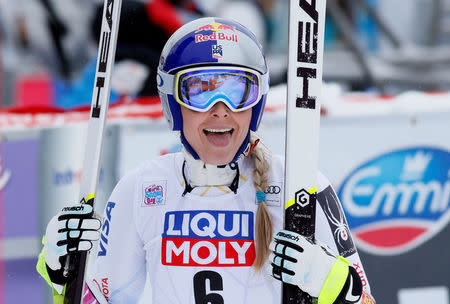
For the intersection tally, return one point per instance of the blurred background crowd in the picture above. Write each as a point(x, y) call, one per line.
point(385, 128)
point(370, 44)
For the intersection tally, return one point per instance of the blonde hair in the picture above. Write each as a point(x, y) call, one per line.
point(264, 225)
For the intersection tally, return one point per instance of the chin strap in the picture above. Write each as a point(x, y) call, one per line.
point(233, 186)
point(187, 187)
point(235, 183)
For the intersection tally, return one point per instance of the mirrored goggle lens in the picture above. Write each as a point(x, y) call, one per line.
point(200, 90)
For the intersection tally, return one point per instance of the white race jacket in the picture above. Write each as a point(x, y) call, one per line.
point(199, 248)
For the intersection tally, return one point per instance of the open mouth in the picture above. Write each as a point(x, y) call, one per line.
point(219, 137)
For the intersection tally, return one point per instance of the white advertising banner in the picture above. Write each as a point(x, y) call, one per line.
point(61, 160)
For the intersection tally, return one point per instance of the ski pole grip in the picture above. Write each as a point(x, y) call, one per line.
point(90, 201)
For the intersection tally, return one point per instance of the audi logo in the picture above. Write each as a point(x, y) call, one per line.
point(273, 190)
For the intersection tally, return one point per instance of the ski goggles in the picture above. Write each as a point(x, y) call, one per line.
point(199, 89)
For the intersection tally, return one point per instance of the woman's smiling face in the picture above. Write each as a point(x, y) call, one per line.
point(216, 135)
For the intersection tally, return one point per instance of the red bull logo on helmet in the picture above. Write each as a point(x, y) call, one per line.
point(398, 200)
point(219, 33)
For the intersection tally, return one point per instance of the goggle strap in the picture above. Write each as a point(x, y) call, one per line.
point(264, 83)
point(166, 84)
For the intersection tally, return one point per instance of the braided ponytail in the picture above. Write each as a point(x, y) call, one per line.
point(264, 226)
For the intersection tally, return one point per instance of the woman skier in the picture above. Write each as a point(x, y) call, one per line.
point(205, 225)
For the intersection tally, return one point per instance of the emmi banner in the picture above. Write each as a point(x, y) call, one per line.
point(398, 200)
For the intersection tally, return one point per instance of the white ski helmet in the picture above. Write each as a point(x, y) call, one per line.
point(207, 42)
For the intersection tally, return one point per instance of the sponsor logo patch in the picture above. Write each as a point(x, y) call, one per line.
point(361, 274)
point(302, 198)
point(103, 244)
point(217, 51)
point(336, 219)
point(103, 286)
point(218, 33)
point(154, 193)
point(273, 194)
point(208, 238)
point(398, 200)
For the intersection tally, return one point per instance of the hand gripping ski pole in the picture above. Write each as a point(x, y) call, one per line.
point(306, 38)
point(100, 100)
